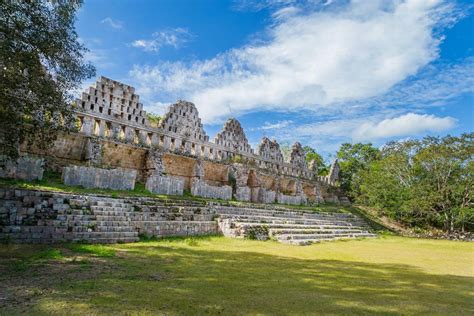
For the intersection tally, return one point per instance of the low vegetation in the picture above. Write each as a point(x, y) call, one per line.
point(216, 275)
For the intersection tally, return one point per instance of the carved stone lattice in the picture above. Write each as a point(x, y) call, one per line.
point(270, 149)
point(233, 136)
point(93, 152)
point(155, 162)
point(298, 156)
point(183, 119)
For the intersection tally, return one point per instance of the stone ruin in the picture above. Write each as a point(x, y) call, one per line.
point(233, 136)
point(110, 116)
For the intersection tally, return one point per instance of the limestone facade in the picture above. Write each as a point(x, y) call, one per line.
point(176, 155)
point(111, 110)
point(233, 137)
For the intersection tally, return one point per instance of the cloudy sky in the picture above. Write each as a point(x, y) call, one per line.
point(322, 72)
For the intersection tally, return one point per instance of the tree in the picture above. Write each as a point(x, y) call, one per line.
point(423, 183)
point(311, 154)
point(445, 178)
point(41, 62)
point(354, 159)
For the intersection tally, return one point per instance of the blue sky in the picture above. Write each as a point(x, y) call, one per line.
point(322, 72)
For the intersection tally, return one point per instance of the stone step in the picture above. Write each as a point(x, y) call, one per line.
point(90, 235)
point(285, 212)
point(294, 226)
point(96, 208)
point(85, 229)
point(283, 220)
point(275, 232)
point(110, 203)
point(304, 242)
point(112, 218)
point(322, 236)
point(285, 215)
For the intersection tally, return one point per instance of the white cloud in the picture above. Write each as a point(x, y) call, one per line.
point(274, 126)
point(172, 37)
point(312, 60)
point(406, 125)
point(116, 24)
point(327, 134)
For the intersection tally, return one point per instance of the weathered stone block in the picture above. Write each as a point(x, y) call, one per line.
point(242, 194)
point(165, 185)
point(201, 188)
point(89, 177)
point(24, 168)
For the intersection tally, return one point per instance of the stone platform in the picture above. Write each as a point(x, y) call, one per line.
point(28, 216)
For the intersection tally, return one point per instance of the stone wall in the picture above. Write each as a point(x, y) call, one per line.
point(28, 216)
point(90, 177)
point(267, 196)
point(201, 188)
point(165, 185)
point(215, 173)
point(176, 228)
point(243, 194)
point(116, 155)
point(290, 199)
point(24, 168)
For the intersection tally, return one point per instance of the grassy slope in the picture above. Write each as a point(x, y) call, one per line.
point(391, 275)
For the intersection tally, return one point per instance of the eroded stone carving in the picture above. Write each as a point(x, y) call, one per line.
point(334, 172)
point(270, 149)
point(93, 152)
point(90, 177)
point(183, 119)
point(298, 156)
point(155, 162)
point(233, 137)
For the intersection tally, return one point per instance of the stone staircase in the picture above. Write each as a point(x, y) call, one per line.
point(290, 226)
point(28, 216)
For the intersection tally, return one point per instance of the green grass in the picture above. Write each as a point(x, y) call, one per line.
point(216, 275)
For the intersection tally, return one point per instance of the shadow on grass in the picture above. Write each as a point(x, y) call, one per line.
point(175, 279)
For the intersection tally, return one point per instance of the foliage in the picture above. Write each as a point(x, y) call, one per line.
point(422, 183)
point(153, 119)
point(353, 159)
point(41, 62)
point(311, 154)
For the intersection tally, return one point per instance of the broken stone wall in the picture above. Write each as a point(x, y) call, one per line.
point(90, 177)
point(201, 188)
point(165, 185)
point(23, 168)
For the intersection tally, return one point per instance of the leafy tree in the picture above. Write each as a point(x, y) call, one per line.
point(41, 61)
point(354, 159)
point(311, 154)
point(423, 183)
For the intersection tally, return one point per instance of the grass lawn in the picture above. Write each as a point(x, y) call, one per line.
point(216, 275)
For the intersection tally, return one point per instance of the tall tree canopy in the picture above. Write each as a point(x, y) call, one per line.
point(352, 159)
point(421, 183)
point(41, 62)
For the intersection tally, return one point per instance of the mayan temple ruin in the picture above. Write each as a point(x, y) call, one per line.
point(115, 147)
